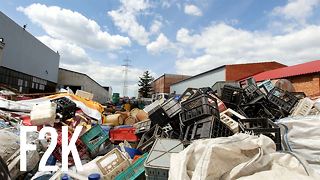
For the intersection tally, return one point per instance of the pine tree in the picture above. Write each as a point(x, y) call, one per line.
point(145, 84)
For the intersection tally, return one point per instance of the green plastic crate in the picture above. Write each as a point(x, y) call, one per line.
point(94, 137)
point(133, 171)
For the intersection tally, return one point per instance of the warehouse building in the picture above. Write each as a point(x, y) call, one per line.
point(232, 72)
point(163, 83)
point(75, 80)
point(304, 77)
point(27, 65)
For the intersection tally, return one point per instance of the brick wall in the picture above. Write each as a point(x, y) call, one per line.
point(163, 83)
point(308, 83)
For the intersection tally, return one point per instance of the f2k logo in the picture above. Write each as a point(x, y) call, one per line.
point(66, 148)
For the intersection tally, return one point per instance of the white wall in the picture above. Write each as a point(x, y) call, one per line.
point(204, 80)
point(77, 79)
point(25, 53)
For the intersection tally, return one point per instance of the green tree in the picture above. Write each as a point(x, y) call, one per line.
point(145, 84)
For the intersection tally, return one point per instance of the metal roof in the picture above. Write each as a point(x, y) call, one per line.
point(295, 70)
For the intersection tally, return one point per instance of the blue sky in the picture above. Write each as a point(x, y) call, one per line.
point(185, 37)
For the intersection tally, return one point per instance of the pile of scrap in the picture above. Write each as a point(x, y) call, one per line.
point(179, 138)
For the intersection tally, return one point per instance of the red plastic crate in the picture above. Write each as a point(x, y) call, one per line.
point(82, 150)
point(121, 134)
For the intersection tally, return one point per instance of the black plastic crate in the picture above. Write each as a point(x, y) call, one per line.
point(187, 133)
point(198, 108)
point(262, 126)
point(210, 127)
point(218, 86)
point(66, 108)
point(299, 95)
point(172, 107)
point(158, 116)
point(149, 137)
point(253, 94)
point(231, 95)
point(283, 99)
point(257, 110)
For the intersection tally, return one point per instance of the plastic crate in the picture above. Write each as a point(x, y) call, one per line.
point(112, 164)
point(252, 94)
point(172, 107)
point(198, 108)
point(94, 137)
point(149, 137)
point(57, 152)
point(231, 95)
point(157, 163)
point(66, 108)
point(262, 126)
point(123, 134)
point(299, 95)
point(142, 127)
point(257, 110)
point(303, 107)
point(227, 118)
point(133, 171)
point(187, 94)
point(188, 133)
point(266, 86)
point(218, 86)
point(247, 82)
point(158, 116)
point(210, 127)
point(283, 99)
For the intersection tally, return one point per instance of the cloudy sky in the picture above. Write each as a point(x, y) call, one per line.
point(169, 36)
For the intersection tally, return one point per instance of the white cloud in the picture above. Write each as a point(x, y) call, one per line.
point(193, 10)
point(75, 58)
point(125, 19)
point(155, 27)
point(223, 44)
point(72, 26)
point(298, 10)
point(161, 44)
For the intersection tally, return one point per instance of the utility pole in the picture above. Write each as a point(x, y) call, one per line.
point(125, 80)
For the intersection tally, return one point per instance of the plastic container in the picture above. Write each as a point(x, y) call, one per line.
point(283, 99)
point(210, 127)
point(94, 176)
point(262, 126)
point(252, 94)
point(198, 108)
point(227, 118)
point(123, 134)
point(112, 164)
point(303, 107)
point(157, 163)
point(133, 171)
point(172, 107)
point(43, 114)
point(66, 108)
point(247, 82)
point(218, 86)
point(94, 137)
point(158, 116)
point(142, 127)
point(256, 110)
point(266, 86)
point(51, 161)
point(188, 93)
point(231, 95)
point(149, 137)
point(132, 152)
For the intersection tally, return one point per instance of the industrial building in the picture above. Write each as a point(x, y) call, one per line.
point(75, 80)
point(232, 72)
point(21, 53)
point(304, 77)
point(162, 84)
